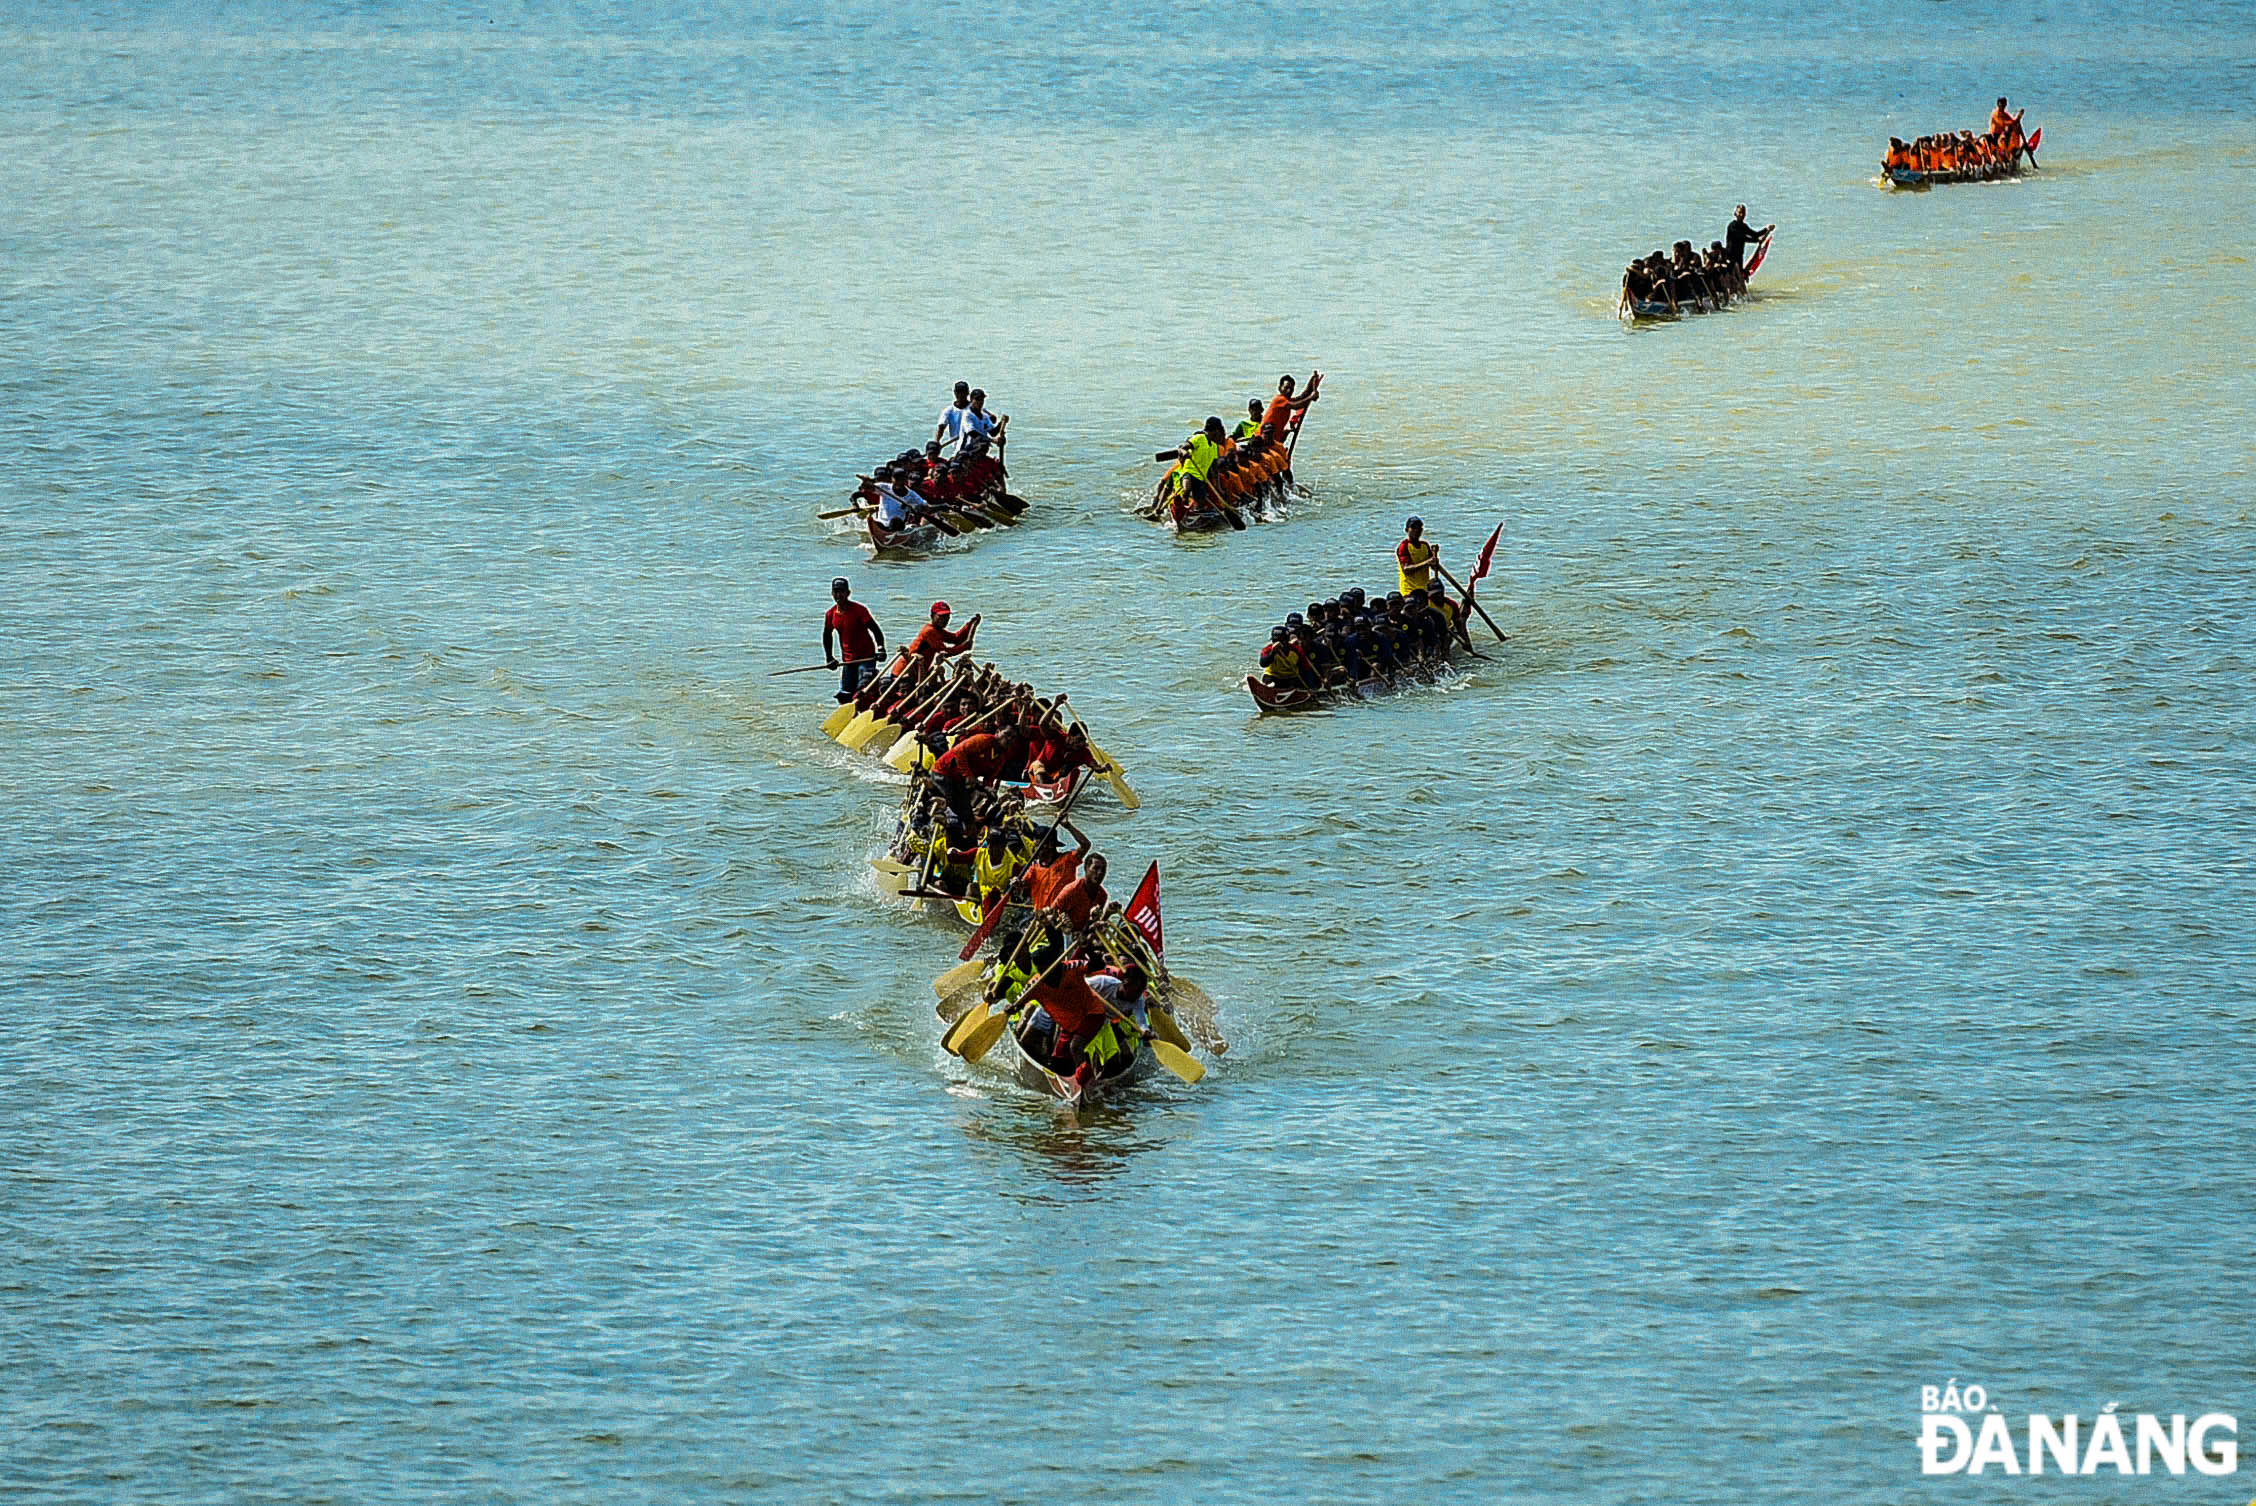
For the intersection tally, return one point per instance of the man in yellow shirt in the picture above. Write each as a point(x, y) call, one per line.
point(1415, 558)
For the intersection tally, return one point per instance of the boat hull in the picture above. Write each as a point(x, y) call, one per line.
point(1030, 1073)
point(1272, 700)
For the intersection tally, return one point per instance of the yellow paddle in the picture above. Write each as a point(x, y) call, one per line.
point(858, 731)
point(1171, 1056)
point(835, 723)
point(904, 754)
point(887, 727)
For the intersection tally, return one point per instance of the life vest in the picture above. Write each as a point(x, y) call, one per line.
point(992, 875)
point(1199, 455)
point(1282, 664)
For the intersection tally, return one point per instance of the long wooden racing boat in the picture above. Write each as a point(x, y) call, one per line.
point(1275, 700)
point(1652, 310)
point(1993, 172)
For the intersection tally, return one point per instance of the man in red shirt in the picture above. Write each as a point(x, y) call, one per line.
point(935, 642)
point(861, 642)
point(978, 760)
point(1070, 1013)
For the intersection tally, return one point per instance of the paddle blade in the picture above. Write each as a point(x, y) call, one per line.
point(1121, 791)
point(973, 1019)
point(981, 1039)
point(833, 723)
point(902, 756)
point(1178, 1061)
point(854, 724)
point(1164, 1028)
point(871, 734)
point(986, 929)
point(956, 978)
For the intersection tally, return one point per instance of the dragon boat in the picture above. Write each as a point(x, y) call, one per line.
point(961, 495)
point(1166, 996)
point(1278, 700)
point(2023, 158)
point(1656, 310)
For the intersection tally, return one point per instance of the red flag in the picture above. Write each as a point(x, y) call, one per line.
point(1487, 558)
point(1143, 911)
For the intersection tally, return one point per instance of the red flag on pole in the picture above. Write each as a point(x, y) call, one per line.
point(1487, 558)
point(1143, 911)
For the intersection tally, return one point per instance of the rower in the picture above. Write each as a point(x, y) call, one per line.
point(1125, 993)
point(935, 641)
point(980, 759)
point(860, 640)
point(1285, 410)
point(1066, 1015)
point(1738, 236)
point(997, 864)
point(1196, 456)
point(1416, 557)
point(1251, 425)
point(1282, 663)
point(979, 423)
point(2005, 129)
point(951, 430)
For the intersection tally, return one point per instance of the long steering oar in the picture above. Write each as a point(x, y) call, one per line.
point(1476, 606)
point(808, 669)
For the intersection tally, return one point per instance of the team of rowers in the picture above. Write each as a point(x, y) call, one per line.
point(1068, 972)
point(1685, 278)
point(1356, 636)
point(1221, 471)
point(1988, 154)
point(956, 482)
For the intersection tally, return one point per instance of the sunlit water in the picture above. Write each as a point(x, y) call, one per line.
point(453, 1049)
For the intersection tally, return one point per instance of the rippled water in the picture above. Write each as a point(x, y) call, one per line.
point(455, 1051)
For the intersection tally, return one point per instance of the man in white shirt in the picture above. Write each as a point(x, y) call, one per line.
point(977, 420)
point(951, 430)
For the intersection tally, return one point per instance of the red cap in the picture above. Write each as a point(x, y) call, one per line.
point(940, 609)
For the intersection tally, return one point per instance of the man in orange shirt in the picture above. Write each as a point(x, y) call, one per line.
point(934, 641)
point(1285, 410)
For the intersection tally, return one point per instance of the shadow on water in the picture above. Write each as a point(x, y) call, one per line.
point(1081, 1149)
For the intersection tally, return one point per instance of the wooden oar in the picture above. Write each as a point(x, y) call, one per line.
point(916, 707)
point(1107, 765)
point(905, 751)
point(808, 669)
point(888, 682)
point(1171, 1056)
point(1476, 606)
point(972, 1036)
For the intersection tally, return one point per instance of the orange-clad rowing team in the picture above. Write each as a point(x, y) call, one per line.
point(1220, 473)
point(1989, 153)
